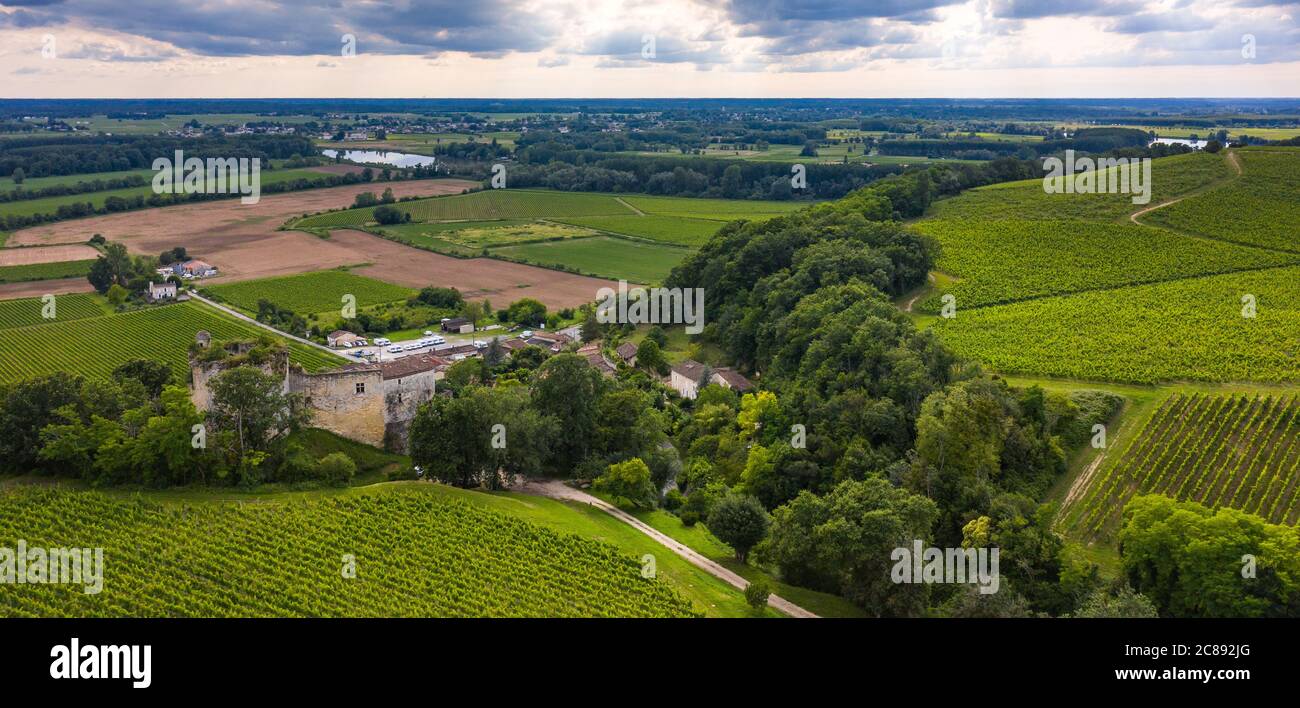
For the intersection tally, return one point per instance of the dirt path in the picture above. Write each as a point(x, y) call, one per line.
point(623, 201)
point(1233, 162)
point(929, 278)
point(558, 490)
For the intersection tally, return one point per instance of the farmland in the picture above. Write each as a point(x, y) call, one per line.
point(1238, 451)
point(1261, 208)
point(415, 555)
point(495, 204)
point(310, 293)
point(1005, 261)
point(44, 271)
point(94, 346)
point(667, 229)
point(638, 262)
point(1190, 329)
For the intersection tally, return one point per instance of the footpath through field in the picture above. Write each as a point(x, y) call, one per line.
point(554, 489)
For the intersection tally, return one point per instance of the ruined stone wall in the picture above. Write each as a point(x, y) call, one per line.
point(202, 374)
point(338, 406)
point(402, 398)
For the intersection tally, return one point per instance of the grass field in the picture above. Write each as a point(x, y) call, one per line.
point(1262, 208)
point(33, 183)
point(94, 346)
point(414, 554)
point(644, 263)
point(486, 204)
point(310, 293)
point(44, 271)
point(1191, 329)
point(1005, 261)
point(1238, 451)
point(678, 230)
point(716, 209)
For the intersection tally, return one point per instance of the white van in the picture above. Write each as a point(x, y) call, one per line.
point(382, 341)
point(395, 349)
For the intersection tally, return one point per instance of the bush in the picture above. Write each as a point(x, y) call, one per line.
point(689, 518)
point(336, 468)
point(673, 500)
point(757, 592)
point(386, 215)
point(628, 482)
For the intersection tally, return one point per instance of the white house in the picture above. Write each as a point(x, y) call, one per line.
point(161, 291)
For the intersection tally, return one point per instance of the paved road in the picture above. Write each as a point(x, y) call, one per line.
point(263, 325)
point(559, 490)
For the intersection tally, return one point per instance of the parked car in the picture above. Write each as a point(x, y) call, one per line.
point(480, 344)
point(382, 341)
point(437, 339)
point(428, 333)
point(395, 349)
point(526, 333)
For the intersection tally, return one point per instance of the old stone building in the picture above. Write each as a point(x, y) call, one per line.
point(369, 403)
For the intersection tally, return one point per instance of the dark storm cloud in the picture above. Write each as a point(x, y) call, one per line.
point(297, 27)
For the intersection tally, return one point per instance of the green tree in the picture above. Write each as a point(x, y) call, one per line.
point(336, 468)
point(250, 404)
point(1123, 602)
point(757, 592)
point(740, 522)
point(650, 358)
point(483, 437)
point(527, 312)
point(566, 389)
point(629, 483)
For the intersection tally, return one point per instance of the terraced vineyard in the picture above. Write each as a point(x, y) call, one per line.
point(1262, 208)
point(94, 346)
point(415, 556)
point(1238, 451)
point(1006, 261)
point(29, 311)
point(1185, 329)
point(310, 293)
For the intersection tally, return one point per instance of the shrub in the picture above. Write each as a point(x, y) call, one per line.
point(336, 468)
point(757, 592)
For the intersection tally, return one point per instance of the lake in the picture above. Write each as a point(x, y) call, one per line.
point(381, 157)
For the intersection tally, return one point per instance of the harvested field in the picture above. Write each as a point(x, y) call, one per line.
point(339, 169)
point(476, 278)
point(53, 254)
point(154, 230)
point(38, 288)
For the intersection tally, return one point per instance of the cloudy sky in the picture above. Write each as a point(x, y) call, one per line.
point(649, 48)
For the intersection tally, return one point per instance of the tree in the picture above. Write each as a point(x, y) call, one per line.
point(842, 543)
point(387, 215)
point(1123, 602)
point(809, 149)
point(740, 522)
point(483, 437)
point(152, 374)
point(566, 389)
point(629, 483)
point(364, 199)
point(590, 327)
point(19, 175)
point(494, 354)
point(527, 312)
point(387, 197)
point(650, 358)
point(250, 404)
point(116, 294)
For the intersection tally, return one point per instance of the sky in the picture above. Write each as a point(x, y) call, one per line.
point(648, 48)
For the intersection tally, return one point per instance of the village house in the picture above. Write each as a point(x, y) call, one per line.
point(158, 292)
point(627, 352)
point(343, 338)
point(194, 269)
point(687, 376)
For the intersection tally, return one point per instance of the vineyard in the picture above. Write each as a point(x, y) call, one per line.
point(1170, 177)
point(1186, 329)
point(310, 293)
point(1005, 261)
point(1261, 208)
point(415, 555)
point(635, 261)
point(1238, 451)
point(45, 271)
point(94, 346)
point(29, 311)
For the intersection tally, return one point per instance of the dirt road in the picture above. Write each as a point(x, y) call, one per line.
point(558, 490)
